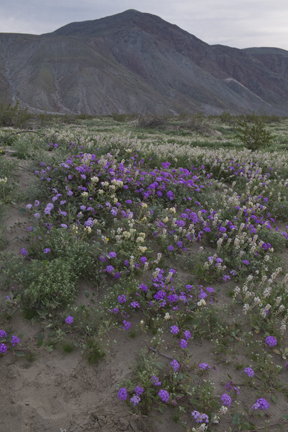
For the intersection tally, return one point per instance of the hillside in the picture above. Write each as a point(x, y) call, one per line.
point(137, 62)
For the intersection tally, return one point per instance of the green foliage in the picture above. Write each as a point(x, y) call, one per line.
point(253, 134)
point(68, 347)
point(14, 115)
point(94, 352)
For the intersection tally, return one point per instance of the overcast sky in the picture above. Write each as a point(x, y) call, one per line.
point(235, 23)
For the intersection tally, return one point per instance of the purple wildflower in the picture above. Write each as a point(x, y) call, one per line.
point(127, 325)
point(15, 340)
point(3, 334)
point(164, 395)
point(139, 390)
point(175, 365)
point(24, 252)
point(155, 380)
point(271, 341)
point(47, 250)
point(246, 262)
point(69, 320)
point(196, 415)
point(135, 304)
point(135, 400)
point(226, 399)
point(122, 394)
point(3, 348)
point(187, 334)
point(183, 343)
point(249, 372)
point(122, 298)
point(261, 403)
point(174, 329)
point(170, 248)
point(204, 366)
point(109, 269)
point(112, 254)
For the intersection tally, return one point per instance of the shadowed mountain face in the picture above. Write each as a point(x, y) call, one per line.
point(135, 62)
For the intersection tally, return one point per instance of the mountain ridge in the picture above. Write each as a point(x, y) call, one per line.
point(135, 62)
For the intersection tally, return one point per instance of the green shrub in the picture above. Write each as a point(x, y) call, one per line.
point(14, 115)
point(54, 284)
point(253, 133)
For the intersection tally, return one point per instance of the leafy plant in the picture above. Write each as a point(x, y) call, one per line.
point(253, 134)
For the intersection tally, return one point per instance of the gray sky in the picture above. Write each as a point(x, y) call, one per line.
point(235, 23)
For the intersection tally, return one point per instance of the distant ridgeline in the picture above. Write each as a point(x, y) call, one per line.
point(136, 62)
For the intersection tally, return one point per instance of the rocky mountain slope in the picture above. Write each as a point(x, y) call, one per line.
point(136, 62)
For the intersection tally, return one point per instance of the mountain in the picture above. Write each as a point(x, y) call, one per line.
point(136, 62)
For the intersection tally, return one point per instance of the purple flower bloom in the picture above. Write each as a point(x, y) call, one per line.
point(122, 394)
point(135, 400)
point(36, 203)
point(187, 334)
point(143, 287)
point(135, 304)
point(143, 259)
point(226, 399)
point(29, 206)
point(117, 275)
point(226, 278)
point(37, 215)
point(31, 229)
point(15, 340)
point(62, 202)
point(155, 381)
point(164, 395)
point(204, 366)
point(126, 325)
point(196, 415)
point(69, 320)
point(24, 252)
point(246, 262)
point(271, 341)
point(112, 254)
point(121, 298)
point(3, 334)
point(175, 365)
point(63, 226)
point(202, 294)
point(203, 418)
point(47, 250)
point(139, 390)
point(109, 269)
point(128, 201)
point(170, 248)
point(115, 310)
point(210, 290)
point(261, 403)
point(183, 343)
point(249, 372)
point(174, 329)
point(3, 348)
